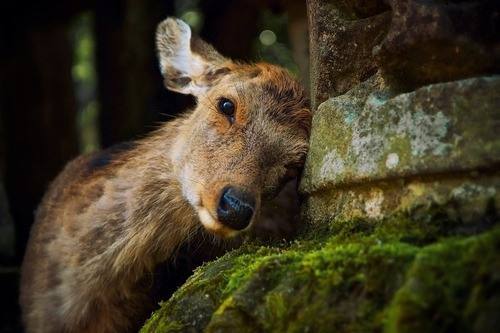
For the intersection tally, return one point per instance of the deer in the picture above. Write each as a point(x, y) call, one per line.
point(111, 217)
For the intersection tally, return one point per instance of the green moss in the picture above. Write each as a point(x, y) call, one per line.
point(162, 326)
point(350, 276)
point(447, 284)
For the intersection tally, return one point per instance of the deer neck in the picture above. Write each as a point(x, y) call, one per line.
point(158, 218)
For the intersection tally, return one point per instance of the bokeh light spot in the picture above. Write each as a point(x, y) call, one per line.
point(267, 37)
point(193, 18)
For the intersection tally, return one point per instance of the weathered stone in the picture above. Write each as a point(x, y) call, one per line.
point(413, 42)
point(472, 197)
point(432, 41)
point(368, 134)
point(342, 36)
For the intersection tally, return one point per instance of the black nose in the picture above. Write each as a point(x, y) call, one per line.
point(236, 207)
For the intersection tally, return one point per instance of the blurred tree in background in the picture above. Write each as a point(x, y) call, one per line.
point(85, 82)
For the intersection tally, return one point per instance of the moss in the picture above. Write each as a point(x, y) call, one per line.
point(350, 276)
point(162, 326)
point(455, 284)
point(289, 291)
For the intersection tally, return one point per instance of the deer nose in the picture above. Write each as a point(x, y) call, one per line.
point(236, 207)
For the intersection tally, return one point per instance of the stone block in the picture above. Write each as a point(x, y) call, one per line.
point(412, 42)
point(342, 36)
point(370, 134)
point(434, 41)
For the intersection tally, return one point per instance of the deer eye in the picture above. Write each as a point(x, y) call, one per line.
point(226, 107)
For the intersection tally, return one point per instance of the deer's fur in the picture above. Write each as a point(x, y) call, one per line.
point(111, 217)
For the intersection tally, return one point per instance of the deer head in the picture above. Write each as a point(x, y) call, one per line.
point(246, 137)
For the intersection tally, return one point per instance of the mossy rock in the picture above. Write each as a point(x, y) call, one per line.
point(399, 274)
point(372, 134)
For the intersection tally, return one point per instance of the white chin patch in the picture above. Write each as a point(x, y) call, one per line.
point(212, 224)
point(207, 220)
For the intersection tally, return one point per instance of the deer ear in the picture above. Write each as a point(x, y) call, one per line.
point(188, 64)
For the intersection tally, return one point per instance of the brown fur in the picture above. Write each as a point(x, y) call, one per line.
point(110, 218)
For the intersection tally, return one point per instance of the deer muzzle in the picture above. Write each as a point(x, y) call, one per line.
point(236, 207)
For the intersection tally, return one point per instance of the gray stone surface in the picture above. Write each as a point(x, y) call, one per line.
point(435, 41)
point(370, 134)
point(412, 42)
point(342, 36)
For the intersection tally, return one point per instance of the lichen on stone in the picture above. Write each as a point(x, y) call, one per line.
point(436, 128)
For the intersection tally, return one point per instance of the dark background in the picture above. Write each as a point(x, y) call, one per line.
point(80, 75)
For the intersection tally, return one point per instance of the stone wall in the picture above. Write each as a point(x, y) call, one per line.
point(401, 185)
point(407, 106)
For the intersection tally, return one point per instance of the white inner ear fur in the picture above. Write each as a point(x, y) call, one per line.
point(181, 58)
